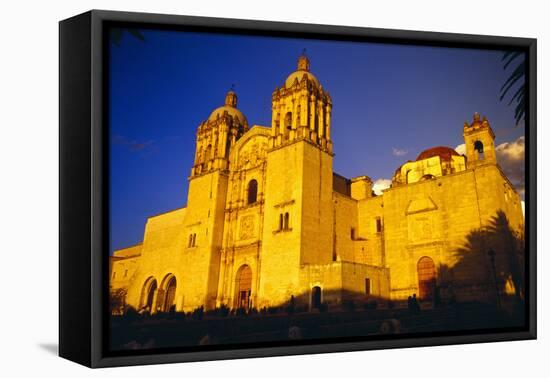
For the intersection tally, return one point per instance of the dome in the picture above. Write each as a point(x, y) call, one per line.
point(443, 152)
point(233, 112)
point(303, 69)
point(299, 75)
point(230, 107)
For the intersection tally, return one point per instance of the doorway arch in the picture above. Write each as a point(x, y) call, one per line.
point(148, 294)
point(426, 278)
point(167, 294)
point(243, 285)
point(316, 297)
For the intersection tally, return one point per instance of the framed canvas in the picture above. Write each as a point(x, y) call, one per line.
point(234, 188)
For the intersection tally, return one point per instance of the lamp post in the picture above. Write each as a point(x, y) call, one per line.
point(491, 254)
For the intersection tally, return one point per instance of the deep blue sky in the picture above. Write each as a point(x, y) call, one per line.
point(384, 97)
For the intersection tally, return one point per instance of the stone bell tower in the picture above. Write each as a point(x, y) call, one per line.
point(204, 217)
point(217, 135)
point(480, 142)
point(297, 230)
point(301, 109)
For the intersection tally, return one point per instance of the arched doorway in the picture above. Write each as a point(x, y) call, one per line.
point(316, 297)
point(167, 295)
point(426, 278)
point(244, 287)
point(148, 294)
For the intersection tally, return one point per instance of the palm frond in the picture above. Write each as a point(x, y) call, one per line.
point(517, 74)
point(118, 33)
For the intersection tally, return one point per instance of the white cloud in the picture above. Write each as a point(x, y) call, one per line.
point(511, 158)
point(461, 149)
point(399, 151)
point(381, 184)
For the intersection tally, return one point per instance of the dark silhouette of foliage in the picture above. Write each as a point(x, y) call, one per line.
point(517, 76)
point(198, 313)
point(348, 306)
point(117, 301)
point(474, 266)
point(323, 307)
point(117, 34)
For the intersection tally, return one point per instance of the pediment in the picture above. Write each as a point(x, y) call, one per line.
point(420, 205)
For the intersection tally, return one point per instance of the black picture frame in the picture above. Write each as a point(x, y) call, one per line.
point(83, 196)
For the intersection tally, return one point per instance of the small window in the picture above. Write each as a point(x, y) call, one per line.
point(126, 273)
point(280, 222)
point(367, 286)
point(378, 224)
point(114, 275)
point(287, 221)
point(352, 233)
point(192, 240)
point(252, 191)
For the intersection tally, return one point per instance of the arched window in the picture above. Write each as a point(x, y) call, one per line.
point(288, 121)
point(478, 146)
point(208, 153)
point(316, 122)
point(199, 156)
point(287, 217)
point(427, 177)
point(277, 124)
point(252, 191)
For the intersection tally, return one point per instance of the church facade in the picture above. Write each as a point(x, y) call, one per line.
point(268, 221)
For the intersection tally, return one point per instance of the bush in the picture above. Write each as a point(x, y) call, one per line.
point(198, 313)
point(323, 307)
point(371, 305)
point(391, 305)
point(349, 306)
point(240, 312)
point(272, 310)
point(222, 311)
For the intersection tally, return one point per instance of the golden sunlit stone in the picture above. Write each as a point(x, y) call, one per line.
point(268, 220)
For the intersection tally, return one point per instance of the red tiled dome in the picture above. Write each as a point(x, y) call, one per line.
point(443, 152)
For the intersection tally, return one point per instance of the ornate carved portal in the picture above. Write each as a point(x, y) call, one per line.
point(244, 287)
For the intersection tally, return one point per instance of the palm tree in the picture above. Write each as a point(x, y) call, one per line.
point(517, 75)
point(117, 33)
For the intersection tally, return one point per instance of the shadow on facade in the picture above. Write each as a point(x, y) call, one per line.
point(489, 268)
point(484, 289)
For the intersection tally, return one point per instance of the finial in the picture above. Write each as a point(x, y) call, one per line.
point(476, 117)
point(231, 97)
point(303, 61)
